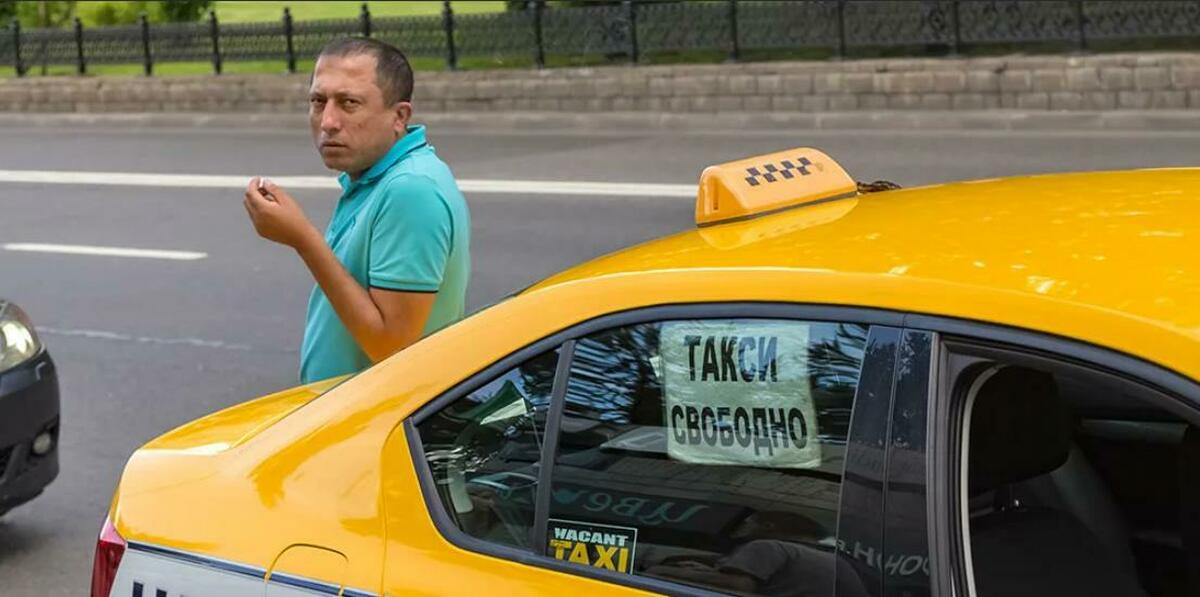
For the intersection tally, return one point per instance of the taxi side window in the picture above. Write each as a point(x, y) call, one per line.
point(483, 450)
point(1078, 481)
point(707, 452)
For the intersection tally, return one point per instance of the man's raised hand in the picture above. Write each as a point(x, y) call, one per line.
point(276, 215)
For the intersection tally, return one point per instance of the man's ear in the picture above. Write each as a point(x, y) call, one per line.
point(403, 116)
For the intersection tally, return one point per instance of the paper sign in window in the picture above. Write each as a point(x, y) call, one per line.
point(738, 392)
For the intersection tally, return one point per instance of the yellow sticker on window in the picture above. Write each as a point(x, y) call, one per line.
point(603, 546)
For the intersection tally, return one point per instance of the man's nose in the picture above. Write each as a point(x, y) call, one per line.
point(331, 121)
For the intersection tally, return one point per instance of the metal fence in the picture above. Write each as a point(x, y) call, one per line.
point(624, 31)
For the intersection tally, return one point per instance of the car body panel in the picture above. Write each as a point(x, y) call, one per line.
point(1083, 256)
point(1022, 251)
point(29, 405)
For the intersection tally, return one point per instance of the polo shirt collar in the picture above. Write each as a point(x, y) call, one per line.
point(413, 139)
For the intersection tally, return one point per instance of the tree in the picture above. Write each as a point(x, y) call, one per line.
point(8, 10)
point(129, 11)
point(113, 13)
point(45, 13)
point(182, 11)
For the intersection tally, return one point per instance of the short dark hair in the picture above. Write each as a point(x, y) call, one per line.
point(393, 73)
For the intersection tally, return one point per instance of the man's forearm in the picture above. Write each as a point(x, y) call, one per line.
point(350, 300)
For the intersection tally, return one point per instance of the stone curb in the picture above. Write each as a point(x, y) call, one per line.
point(1015, 120)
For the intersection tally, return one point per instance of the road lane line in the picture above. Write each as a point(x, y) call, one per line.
point(104, 251)
point(105, 335)
point(219, 181)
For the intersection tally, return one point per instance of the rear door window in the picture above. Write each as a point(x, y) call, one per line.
point(707, 452)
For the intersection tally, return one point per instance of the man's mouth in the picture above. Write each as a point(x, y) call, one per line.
point(332, 145)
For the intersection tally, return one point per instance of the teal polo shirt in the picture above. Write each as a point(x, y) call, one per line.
point(403, 225)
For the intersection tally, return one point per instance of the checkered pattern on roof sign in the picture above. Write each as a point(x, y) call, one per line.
point(785, 169)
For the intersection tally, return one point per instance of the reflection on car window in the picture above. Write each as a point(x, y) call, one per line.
point(483, 450)
point(707, 452)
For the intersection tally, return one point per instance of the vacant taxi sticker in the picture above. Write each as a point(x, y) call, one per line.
point(597, 545)
point(738, 392)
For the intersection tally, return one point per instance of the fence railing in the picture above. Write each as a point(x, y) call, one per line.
point(625, 31)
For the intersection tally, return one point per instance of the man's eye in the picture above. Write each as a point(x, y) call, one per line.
point(316, 101)
point(350, 103)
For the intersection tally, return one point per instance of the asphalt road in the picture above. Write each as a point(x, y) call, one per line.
point(144, 345)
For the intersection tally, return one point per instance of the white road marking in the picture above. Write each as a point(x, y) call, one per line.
point(103, 335)
point(219, 181)
point(104, 251)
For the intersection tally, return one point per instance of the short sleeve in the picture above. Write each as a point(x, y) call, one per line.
point(411, 237)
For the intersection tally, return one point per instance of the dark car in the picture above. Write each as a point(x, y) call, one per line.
point(28, 410)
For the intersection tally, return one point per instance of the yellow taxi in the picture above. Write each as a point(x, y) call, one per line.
point(979, 388)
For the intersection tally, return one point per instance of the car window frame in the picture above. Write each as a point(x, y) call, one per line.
point(957, 345)
point(564, 341)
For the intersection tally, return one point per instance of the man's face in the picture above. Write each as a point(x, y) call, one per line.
point(352, 126)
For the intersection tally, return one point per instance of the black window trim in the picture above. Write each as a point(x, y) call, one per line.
point(730, 310)
point(967, 341)
point(541, 511)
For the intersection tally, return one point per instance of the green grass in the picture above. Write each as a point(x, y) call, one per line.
point(250, 12)
point(168, 69)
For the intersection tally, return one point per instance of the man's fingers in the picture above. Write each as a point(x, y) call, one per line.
point(277, 193)
point(255, 198)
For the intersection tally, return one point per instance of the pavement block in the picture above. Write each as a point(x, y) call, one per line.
point(935, 101)
point(983, 81)
point(757, 103)
point(784, 103)
point(1168, 100)
point(917, 82)
point(814, 103)
point(1116, 78)
point(1016, 81)
point(827, 83)
point(769, 85)
point(695, 85)
point(1033, 101)
point(797, 84)
point(872, 101)
point(1100, 100)
point(1066, 100)
point(949, 81)
point(739, 85)
point(858, 82)
point(967, 101)
point(1151, 77)
point(1136, 100)
point(1185, 77)
point(661, 86)
point(904, 101)
point(703, 104)
point(729, 103)
point(1085, 78)
point(1049, 80)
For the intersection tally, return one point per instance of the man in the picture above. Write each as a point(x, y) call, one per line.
point(393, 264)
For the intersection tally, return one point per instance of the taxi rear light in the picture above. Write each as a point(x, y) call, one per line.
point(110, 547)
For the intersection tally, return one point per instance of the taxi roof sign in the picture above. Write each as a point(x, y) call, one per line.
point(767, 183)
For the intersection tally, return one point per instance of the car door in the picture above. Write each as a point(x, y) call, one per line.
point(1044, 466)
point(693, 449)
